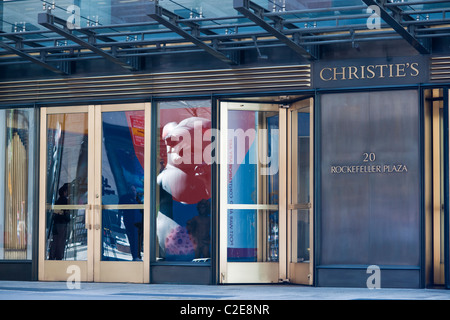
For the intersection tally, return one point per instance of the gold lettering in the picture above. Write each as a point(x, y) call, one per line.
point(381, 69)
point(370, 70)
point(352, 72)
point(415, 66)
point(339, 73)
point(401, 70)
point(321, 74)
point(397, 70)
point(387, 168)
point(391, 70)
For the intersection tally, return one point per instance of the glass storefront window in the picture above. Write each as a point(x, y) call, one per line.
point(17, 162)
point(184, 181)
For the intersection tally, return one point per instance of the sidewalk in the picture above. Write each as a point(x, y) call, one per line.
point(13, 290)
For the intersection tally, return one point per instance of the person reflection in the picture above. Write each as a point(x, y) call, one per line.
point(61, 219)
point(199, 227)
point(132, 219)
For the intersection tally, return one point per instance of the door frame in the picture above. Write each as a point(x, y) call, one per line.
point(248, 272)
point(300, 272)
point(52, 270)
point(436, 186)
point(93, 269)
point(267, 272)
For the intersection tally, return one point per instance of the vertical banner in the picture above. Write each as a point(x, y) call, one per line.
point(242, 187)
point(252, 178)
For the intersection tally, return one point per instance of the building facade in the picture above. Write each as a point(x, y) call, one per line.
point(225, 142)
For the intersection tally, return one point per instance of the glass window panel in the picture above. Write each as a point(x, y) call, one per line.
point(16, 191)
point(300, 236)
point(122, 236)
point(242, 235)
point(252, 235)
point(67, 236)
point(303, 157)
point(123, 136)
point(184, 179)
point(67, 182)
point(252, 157)
point(252, 179)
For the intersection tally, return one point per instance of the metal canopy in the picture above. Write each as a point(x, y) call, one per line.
point(255, 13)
point(394, 20)
point(173, 23)
point(28, 57)
point(49, 21)
point(54, 46)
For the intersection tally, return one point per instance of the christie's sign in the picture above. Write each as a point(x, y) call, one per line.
point(371, 72)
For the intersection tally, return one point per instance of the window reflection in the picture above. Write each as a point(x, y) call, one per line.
point(122, 235)
point(252, 178)
point(67, 181)
point(123, 157)
point(16, 189)
point(123, 137)
point(184, 180)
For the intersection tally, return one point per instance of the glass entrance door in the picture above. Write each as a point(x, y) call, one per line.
point(92, 215)
point(300, 176)
point(265, 213)
point(435, 164)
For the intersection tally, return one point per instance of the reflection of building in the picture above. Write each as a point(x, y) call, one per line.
point(319, 142)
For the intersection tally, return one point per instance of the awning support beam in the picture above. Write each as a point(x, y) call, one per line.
point(157, 13)
point(31, 58)
point(49, 21)
point(397, 26)
point(255, 13)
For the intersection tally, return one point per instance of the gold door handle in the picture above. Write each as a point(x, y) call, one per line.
point(97, 209)
point(299, 206)
point(87, 217)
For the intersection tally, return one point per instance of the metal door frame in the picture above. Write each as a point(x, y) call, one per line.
point(93, 269)
point(266, 272)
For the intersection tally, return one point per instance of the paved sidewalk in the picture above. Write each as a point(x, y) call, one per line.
point(13, 290)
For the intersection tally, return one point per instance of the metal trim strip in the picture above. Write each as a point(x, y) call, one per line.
point(224, 80)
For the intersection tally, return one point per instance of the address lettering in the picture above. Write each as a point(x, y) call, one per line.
point(369, 157)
